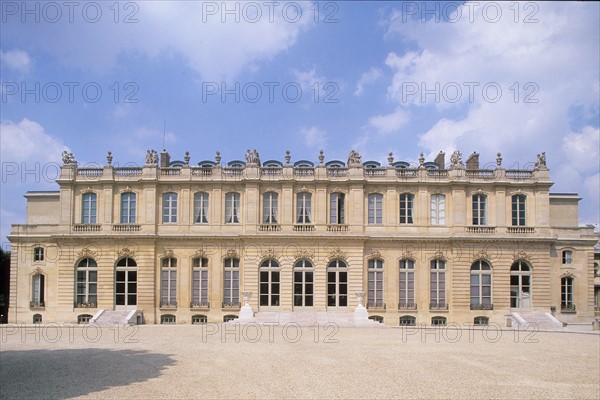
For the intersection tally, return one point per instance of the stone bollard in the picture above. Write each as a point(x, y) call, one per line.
point(596, 325)
point(509, 322)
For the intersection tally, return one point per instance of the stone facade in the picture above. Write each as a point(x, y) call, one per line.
point(180, 243)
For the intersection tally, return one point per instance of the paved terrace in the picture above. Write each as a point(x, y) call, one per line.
point(262, 362)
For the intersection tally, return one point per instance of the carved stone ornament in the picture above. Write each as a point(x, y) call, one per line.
point(568, 274)
point(439, 255)
point(268, 254)
point(126, 252)
point(200, 253)
point(408, 254)
point(231, 253)
point(37, 270)
point(304, 254)
point(482, 255)
point(375, 254)
point(521, 255)
point(86, 253)
point(337, 254)
point(168, 253)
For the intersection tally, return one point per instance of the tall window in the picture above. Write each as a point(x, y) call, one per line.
point(437, 284)
point(88, 209)
point(407, 283)
point(126, 282)
point(336, 208)
point(479, 209)
point(481, 285)
point(375, 275)
point(169, 208)
point(375, 208)
point(406, 208)
point(231, 281)
point(200, 282)
point(38, 254)
point(232, 208)
point(567, 257)
point(270, 207)
point(87, 282)
point(269, 283)
point(168, 282)
point(518, 210)
point(303, 283)
point(303, 208)
point(520, 285)
point(38, 290)
point(201, 208)
point(438, 209)
point(566, 294)
point(337, 284)
point(128, 208)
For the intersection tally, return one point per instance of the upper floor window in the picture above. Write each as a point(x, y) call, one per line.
point(270, 200)
point(88, 208)
point(375, 208)
point(567, 257)
point(169, 208)
point(232, 208)
point(38, 254)
point(336, 208)
point(406, 208)
point(304, 208)
point(438, 209)
point(518, 210)
point(128, 208)
point(479, 209)
point(201, 208)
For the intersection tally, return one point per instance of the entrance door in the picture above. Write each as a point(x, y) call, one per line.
point(337, 284)
point(126, 284)
point(303, 284)
point(520, 285)
point(269, 284)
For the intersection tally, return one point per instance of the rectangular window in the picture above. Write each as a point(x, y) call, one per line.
point(270, 200)
point(479, 209)
point(375, 208)
point(438, 209)
point(406, 208)
point(567, 257)
point(375, 282)
point(437, 283)
point(232, 208)
point(303, 208)
point(168, 287)
point(200, 281)
point(336, 208)
point(169, 208)
point(201, 208)
point(407, 282)
point(38, 290)
point(231, 281)
point(38, 254)
point(88, 210)
point(128, 208)
point(518, 210)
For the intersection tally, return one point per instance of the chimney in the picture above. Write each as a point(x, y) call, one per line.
point(165, 159)
point(440, 160)
point(473, 161)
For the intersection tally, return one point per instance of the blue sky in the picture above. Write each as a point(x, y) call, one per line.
point(515, 78)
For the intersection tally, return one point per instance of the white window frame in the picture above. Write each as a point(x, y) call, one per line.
point(304, 208)
point(375, 208)
point(89, 293)
point(89, 202)
point(438, 209)
point(337, 208)
point(231, 281)
point(169, 209)
point(128, 207)
point(201, 208)
point(484, 270)
point(38, 254)
point(232, 208)
point(407, 208)
point(270, 207)
point(519, 210)
point(407, 276)
point(437, 283)
point(479, 203)
point(199, 281)
point(375, 283)
point(168, 281)
point(567, 257)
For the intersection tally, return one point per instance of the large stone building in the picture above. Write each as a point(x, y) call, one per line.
point(431, 243)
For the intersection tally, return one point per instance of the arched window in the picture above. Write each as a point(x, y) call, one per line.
point(408, 320)
point(376, 318)
point(269, 283)
point(303, 283)
point(168, 319)
point(438, 321)
point(407, 285)
point(199, 319)
point(304, 208)
point(37, 318)
point(201, 208)
point(479, 209)
point(481, 286)
point(438, 209)
point(437, 285)
point(87, 283)
point(566, 294)
point(229, 317)
point(406, 208)
point(84, 319)
point(88, 208)
point(231, 282)
point(375, 208)
point(232, 208)
point(270, 208)
point(169, 208)
point(126, 282)
point(128, 205)
point(168, 282)
point(375, 284)
point(481, 321)
point(520, 285)
point(200, 282)
point(38, 291)
point(337, 284)
point(518, 210)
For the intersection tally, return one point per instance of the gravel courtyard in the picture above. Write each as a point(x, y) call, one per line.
point(324, 362)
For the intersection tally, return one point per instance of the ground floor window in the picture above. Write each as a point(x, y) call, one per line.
point(167, 319)
point(481, 321)
point(84, 319)
point(228, 318)
point(199, 319)
point(37, 318)
point(408, 320)
point(566, 294)
point(377, 318)
point(438, 320)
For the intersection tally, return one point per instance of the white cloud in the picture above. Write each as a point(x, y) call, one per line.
point(367, 78)
point(308, 79)
point(390, 122)
point(27, 142)
point(314, 137)
point(17, 60)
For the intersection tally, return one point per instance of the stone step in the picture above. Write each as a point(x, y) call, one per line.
point(310, 318)
point(540, 320)
point(107, 317)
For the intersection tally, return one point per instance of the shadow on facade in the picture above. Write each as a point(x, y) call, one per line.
point(36, 374)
